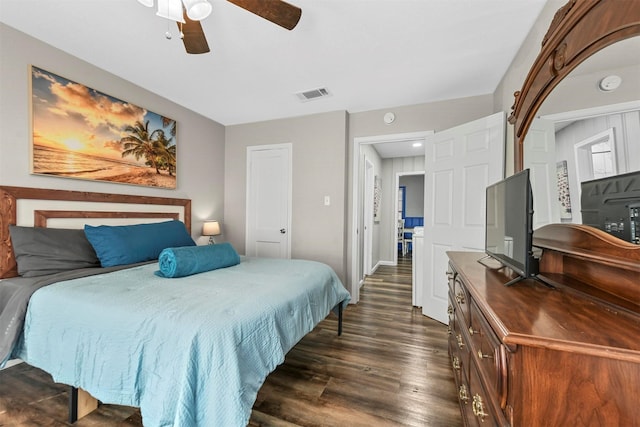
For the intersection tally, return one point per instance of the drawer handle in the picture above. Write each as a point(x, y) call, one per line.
point(471, 331)
point(484, 356)
point(456, 363)
point(462, 393)
point(449, 310)
point(460, 297)
point(460, 342)
point(478, 407)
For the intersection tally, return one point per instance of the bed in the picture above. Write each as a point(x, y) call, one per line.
point(187, 351)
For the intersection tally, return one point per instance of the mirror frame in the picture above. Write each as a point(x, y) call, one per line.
point(579, 29)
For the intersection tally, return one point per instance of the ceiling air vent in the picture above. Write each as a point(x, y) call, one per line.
point(310, 95)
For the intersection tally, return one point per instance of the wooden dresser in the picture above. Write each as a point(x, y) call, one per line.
point(561, 353)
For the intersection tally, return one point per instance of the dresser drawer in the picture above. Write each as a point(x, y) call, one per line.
point(458, 348)
point(461, 298)
point(489, 354)
point(483, 410)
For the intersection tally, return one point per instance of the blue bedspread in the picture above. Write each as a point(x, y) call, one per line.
point(192, 351)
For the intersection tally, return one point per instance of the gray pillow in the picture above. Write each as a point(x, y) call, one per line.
point(41, 251)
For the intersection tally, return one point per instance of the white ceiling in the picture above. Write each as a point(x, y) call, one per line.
point(370, 54)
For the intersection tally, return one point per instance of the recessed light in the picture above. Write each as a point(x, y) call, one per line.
point(417, 144)
point(609, 83)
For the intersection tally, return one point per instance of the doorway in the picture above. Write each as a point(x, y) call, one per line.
point(383, 228)
point(410, 210)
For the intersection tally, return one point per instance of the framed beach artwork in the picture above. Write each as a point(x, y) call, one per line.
point(79, 132)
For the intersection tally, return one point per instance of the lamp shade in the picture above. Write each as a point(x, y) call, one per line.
point(197, 9)
point(211, 228)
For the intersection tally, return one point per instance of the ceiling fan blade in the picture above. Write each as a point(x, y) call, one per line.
point(193, 37)
point(277, 11)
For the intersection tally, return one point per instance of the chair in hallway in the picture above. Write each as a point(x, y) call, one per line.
point(401, 239)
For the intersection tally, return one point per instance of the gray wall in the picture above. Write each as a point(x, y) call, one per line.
point(414, 201)
point(319, 155)
point(200, 141)
point(519, 69)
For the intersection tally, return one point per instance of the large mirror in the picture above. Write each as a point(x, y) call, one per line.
point(588, 128)
point(578, 119)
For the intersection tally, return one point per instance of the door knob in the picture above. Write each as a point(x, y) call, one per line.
point(282, 231)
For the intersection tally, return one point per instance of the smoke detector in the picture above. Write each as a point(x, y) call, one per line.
point(609, 83)
point(312, 94)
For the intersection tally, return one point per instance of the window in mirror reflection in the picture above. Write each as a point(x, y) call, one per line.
point(602, 160)
point(595, 156)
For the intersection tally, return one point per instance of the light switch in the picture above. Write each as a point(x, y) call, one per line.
point(327, 200)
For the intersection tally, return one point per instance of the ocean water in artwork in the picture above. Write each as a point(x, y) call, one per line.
point(59, 162)
point(53, 161)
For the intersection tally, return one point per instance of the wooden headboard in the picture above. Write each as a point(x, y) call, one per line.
point(9, 212)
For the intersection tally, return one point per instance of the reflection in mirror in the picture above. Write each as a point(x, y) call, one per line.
point(583, 133)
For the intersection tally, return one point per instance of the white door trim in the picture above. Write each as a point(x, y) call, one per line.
point(250, 149)
point(356, 173)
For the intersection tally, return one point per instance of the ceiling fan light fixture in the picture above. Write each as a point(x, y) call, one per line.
point(197, 10)
point(170, 9)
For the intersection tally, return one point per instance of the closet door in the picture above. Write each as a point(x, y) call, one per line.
point(269, 190)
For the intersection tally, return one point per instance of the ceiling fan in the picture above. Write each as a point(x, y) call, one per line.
point(189, 13)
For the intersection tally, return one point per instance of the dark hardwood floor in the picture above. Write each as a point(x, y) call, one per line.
point(389, 368)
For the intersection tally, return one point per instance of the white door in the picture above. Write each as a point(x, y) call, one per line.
point(269, 188)
point(540, 157)
point(459, 164)
point(367, 255)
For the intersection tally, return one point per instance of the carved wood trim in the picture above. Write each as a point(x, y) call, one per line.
point(591, 262)
point(588, 242)
point(578, 30)
point(8, 212)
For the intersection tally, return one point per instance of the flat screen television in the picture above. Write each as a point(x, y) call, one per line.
point(612, 204)
point(509, 225)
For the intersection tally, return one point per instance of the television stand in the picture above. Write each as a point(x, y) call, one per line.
point(496, 265)
point(514, 281)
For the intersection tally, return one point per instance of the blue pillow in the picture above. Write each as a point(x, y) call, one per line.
point(180, 262)
point(129, 244)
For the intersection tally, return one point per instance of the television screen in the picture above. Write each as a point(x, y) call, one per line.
point(508, 232)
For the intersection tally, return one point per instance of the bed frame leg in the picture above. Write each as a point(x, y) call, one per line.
point(81, 403)
point(340, 319)
point(73, 405)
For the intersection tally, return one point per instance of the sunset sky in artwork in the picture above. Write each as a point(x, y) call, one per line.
point(73, 117)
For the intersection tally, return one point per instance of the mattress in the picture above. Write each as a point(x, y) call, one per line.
point(191, 351)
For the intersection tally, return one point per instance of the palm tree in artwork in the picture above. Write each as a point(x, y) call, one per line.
point(140, 143)
point(166, 154)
